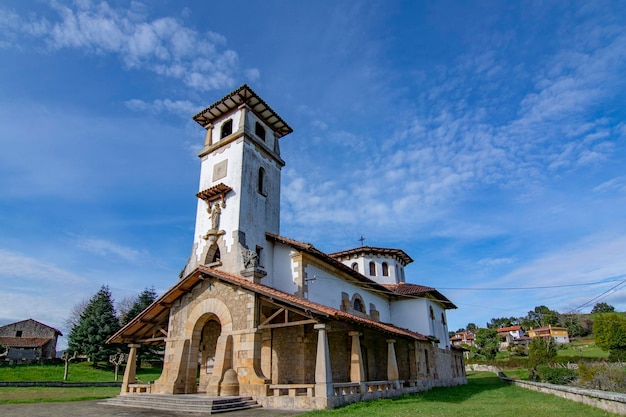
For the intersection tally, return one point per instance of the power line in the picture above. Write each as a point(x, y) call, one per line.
point(611, 279)
point(598, 296)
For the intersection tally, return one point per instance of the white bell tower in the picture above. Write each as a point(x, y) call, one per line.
point(239, 196)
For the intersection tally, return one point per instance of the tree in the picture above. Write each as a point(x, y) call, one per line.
point(97, 323)
point(541, 316)
point(541, 351)
point(500, 322)
point(74, 318)
point(142, 301)
point(487, 342)
point(603, 308)
point(471, 327)
point(610, 332)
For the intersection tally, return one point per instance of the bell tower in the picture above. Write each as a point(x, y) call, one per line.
point(239, 193)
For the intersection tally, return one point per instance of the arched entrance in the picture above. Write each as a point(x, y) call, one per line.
point(209, 336)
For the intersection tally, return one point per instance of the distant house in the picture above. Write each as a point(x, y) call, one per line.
point(509, 335)
point(29, 340)
point(558, 334)
point(463, 338)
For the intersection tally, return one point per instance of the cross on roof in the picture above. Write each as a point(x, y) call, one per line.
point(361, 239)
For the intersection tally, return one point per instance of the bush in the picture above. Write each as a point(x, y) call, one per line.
point(558, 376)
point(602, 376)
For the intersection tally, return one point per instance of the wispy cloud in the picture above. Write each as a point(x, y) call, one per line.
point(106, 248)
point(181, 108)
point(163, 45)
point(17, 268)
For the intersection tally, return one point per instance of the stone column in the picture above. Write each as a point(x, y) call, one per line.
point(208, 140)
point(392, 363)
point(323, 371)
point(357, 371)
point(130, 371)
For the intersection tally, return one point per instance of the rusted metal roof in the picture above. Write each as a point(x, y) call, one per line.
point(243, 95)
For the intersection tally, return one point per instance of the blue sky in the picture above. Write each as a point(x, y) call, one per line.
point(486, 139)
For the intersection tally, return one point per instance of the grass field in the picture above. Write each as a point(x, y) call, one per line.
point(582, 348)
point(484, 396)
point(78, 372)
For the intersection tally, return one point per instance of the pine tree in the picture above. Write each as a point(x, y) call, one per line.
point(97, 323)
point(147, 297)
point(144, 299)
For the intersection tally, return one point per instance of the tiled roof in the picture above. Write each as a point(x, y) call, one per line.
point(232, 101)
point(399, 254)
point(509, 329)
point(141, 326)
point(23, 342)
point(406, 289)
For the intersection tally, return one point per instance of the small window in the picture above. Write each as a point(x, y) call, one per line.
point(227, 128)
point(385, 269)
point(18, 333)
point(432, 313)
point(443, 319)
point(261, 181)
point(259, 130)
point(358, 305)
point(355, 267)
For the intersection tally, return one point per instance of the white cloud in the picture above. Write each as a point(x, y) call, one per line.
point(17, 268)
point(163, 45)
point(183, 108)
point(105, 248)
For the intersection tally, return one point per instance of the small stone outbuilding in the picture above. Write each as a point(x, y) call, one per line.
point(28, 340)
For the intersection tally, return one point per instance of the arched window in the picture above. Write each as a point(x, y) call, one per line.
point(261, 181)
point(432, 312)
point(372, 269)
point(355, 266)
point(443, 319)
point(227, 128)
point(358, 305)
point(385, 269)
point(259, 130)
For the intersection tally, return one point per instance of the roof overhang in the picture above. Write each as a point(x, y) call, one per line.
point(243, 96)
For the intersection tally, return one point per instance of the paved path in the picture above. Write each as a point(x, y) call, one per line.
point(94, 409)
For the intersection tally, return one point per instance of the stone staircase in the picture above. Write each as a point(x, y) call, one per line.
point(183, 403)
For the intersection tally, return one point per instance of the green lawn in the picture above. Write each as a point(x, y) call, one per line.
point(78, 372)
point(582, 349)
point(484, 396)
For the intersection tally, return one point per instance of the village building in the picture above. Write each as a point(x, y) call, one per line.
point(28, 341)
point(558, 335)
point(463, 338)
point(509, 336)
point(258, 314)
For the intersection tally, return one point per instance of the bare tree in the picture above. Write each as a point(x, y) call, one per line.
point(74, 317)
point(118, 359)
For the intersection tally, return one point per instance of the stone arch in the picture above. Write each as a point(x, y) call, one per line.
point(211, 309)
point(358, 304)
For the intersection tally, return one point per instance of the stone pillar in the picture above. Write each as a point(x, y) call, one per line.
point(131, 368)
point(392, 363)
point(208, 140)
point(323, 371)
point(357, 371)
point(242, 121)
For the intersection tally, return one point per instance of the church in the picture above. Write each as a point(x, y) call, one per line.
point(259, 314)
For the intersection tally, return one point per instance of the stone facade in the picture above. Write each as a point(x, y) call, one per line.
point(29, 340)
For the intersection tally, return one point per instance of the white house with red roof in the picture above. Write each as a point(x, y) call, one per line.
point(258, 314)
